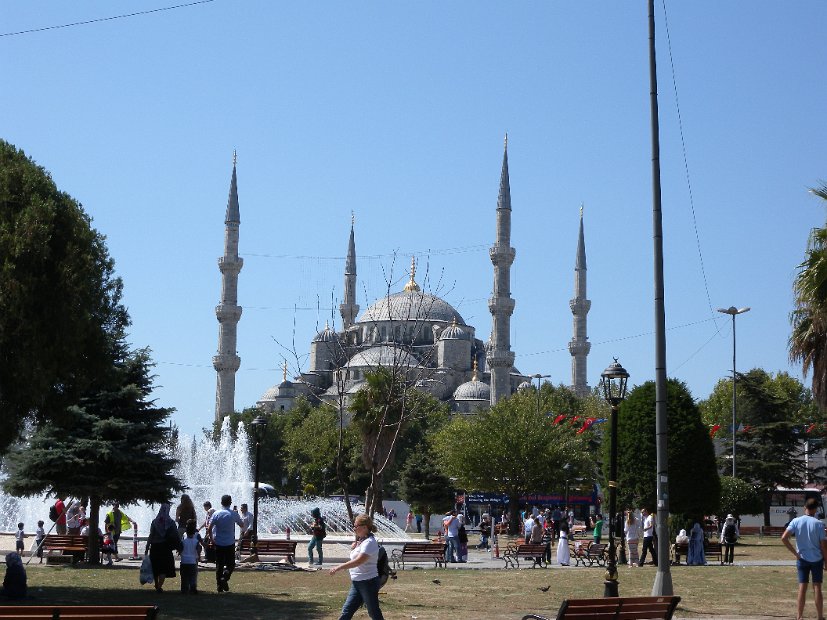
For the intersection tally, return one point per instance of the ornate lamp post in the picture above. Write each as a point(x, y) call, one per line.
point(324, 481)
point(613, 382)
point(259, 426)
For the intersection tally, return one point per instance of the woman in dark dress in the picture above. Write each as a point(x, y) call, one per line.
point(14, 583)
point(163, 540)
point(184, 512)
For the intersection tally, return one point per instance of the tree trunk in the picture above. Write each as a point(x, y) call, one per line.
point(514, 514)
point(427, 517)
point(93, 544)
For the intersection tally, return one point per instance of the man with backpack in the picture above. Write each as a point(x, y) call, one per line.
point(57, 513)
point(729, 535)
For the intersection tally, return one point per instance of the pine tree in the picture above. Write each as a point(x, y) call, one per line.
point(111, 446)
point(425, 487)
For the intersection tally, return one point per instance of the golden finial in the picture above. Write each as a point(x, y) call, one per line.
point(284, 371)
point(235, 158)
point(412, 285)
point(474, 376)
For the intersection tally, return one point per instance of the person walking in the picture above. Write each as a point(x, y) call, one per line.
point(163, 540)
point(183, 513)
point(648, 537)
point(189, 558)
point(318, 531)
point(810, 552)
point(409, 521)
point(597, 533)
point(222, 532)
point(729, 536)
point(419, 523)
point(563, 552)
point(364, 572)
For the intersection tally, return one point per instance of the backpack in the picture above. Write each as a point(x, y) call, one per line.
point(729, 533)
point(384, 567)
point(53, 516)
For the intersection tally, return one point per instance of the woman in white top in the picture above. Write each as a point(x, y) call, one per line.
point(631, 529)
point(364, 573)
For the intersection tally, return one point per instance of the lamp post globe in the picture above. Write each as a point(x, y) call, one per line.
point(259, 426)
point(613, 382)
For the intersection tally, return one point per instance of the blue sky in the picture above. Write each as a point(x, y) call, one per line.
point(396, 111)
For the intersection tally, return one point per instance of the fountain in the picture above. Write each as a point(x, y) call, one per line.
point(209, 470)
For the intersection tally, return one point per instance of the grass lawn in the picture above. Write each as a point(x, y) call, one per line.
point(713, 590)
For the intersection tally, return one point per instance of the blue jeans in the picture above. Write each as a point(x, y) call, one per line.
point(366, 592)
point(317, 543)
point(452, 552)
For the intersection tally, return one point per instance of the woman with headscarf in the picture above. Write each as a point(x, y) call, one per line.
point(163, 540)
point(14, 583)
point(695, 555)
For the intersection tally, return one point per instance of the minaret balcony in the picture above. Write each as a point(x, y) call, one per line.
point(502, 256)
point(580, 306)
point(499, 359)
point(225, 362)
point(230, 264)
point(229, 313)
point(496, 305)
point(580, 347)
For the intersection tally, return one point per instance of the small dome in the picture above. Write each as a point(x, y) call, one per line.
point(525, 385)
point(452, 332)
point(326, 335)
point(270, 395)
point(473, 390)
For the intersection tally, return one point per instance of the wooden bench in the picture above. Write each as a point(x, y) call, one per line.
point(711, 550)
point(750, 530)
point(535, 552)
point(74, 545)
point(772, 530)
point(419, 551)
point(630, 608)
point(588, 554)
point(270, 546)
point(101, 612)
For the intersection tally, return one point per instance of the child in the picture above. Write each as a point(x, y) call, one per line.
point(108, 547)
point(19, 538)
point(189, 559)
point(39, 535)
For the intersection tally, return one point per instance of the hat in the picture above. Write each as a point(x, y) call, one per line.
point(729, 516)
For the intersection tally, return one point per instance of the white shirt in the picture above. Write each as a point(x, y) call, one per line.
point(367, 570)
point(632, 530)
point(189, 554)
point(648, 526)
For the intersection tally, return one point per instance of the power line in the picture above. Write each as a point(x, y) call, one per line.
point(105, 19)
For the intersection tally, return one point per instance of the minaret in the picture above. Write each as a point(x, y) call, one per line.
point(349, 309)
point(228, 312)
point(579, 346)
point(499, 356)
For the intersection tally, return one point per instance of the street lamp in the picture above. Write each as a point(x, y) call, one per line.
point(298, 485)
point(613, 381)
point(732, 310)
point(538, 376)
point(259, 426)
point(324, 481)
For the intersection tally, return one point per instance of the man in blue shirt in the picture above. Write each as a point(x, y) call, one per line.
point(222, 529)
point(451, 525)
point(810, 552)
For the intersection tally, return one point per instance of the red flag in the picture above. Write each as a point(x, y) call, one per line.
point(586, 425)
point(559, 419)
point(746, 428)
point(714, 430)
point(810, 427)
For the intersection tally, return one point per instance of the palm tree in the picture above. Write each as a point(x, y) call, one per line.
point(808, 341)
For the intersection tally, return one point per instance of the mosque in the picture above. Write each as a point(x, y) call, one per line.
point(412, 333)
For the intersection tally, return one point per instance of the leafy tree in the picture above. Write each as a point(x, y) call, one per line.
point(694, 486)
point(510, 449)
point(59, 298)
point(739, 497)
point(808, 341)
point(423, 485)
point(383, 409)
point(111, 446)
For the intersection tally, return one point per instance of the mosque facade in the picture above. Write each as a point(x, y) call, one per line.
point(416, 335)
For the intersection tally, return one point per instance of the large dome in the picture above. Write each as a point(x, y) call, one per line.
point(386, 356)
point(411, 306)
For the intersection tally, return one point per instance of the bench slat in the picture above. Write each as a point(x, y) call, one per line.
point(103, 612)
point(632, 608)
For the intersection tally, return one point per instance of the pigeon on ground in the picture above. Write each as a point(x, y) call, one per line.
point(545, 589)
point(436, 581)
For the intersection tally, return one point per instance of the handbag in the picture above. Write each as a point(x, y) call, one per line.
point(145, 576)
